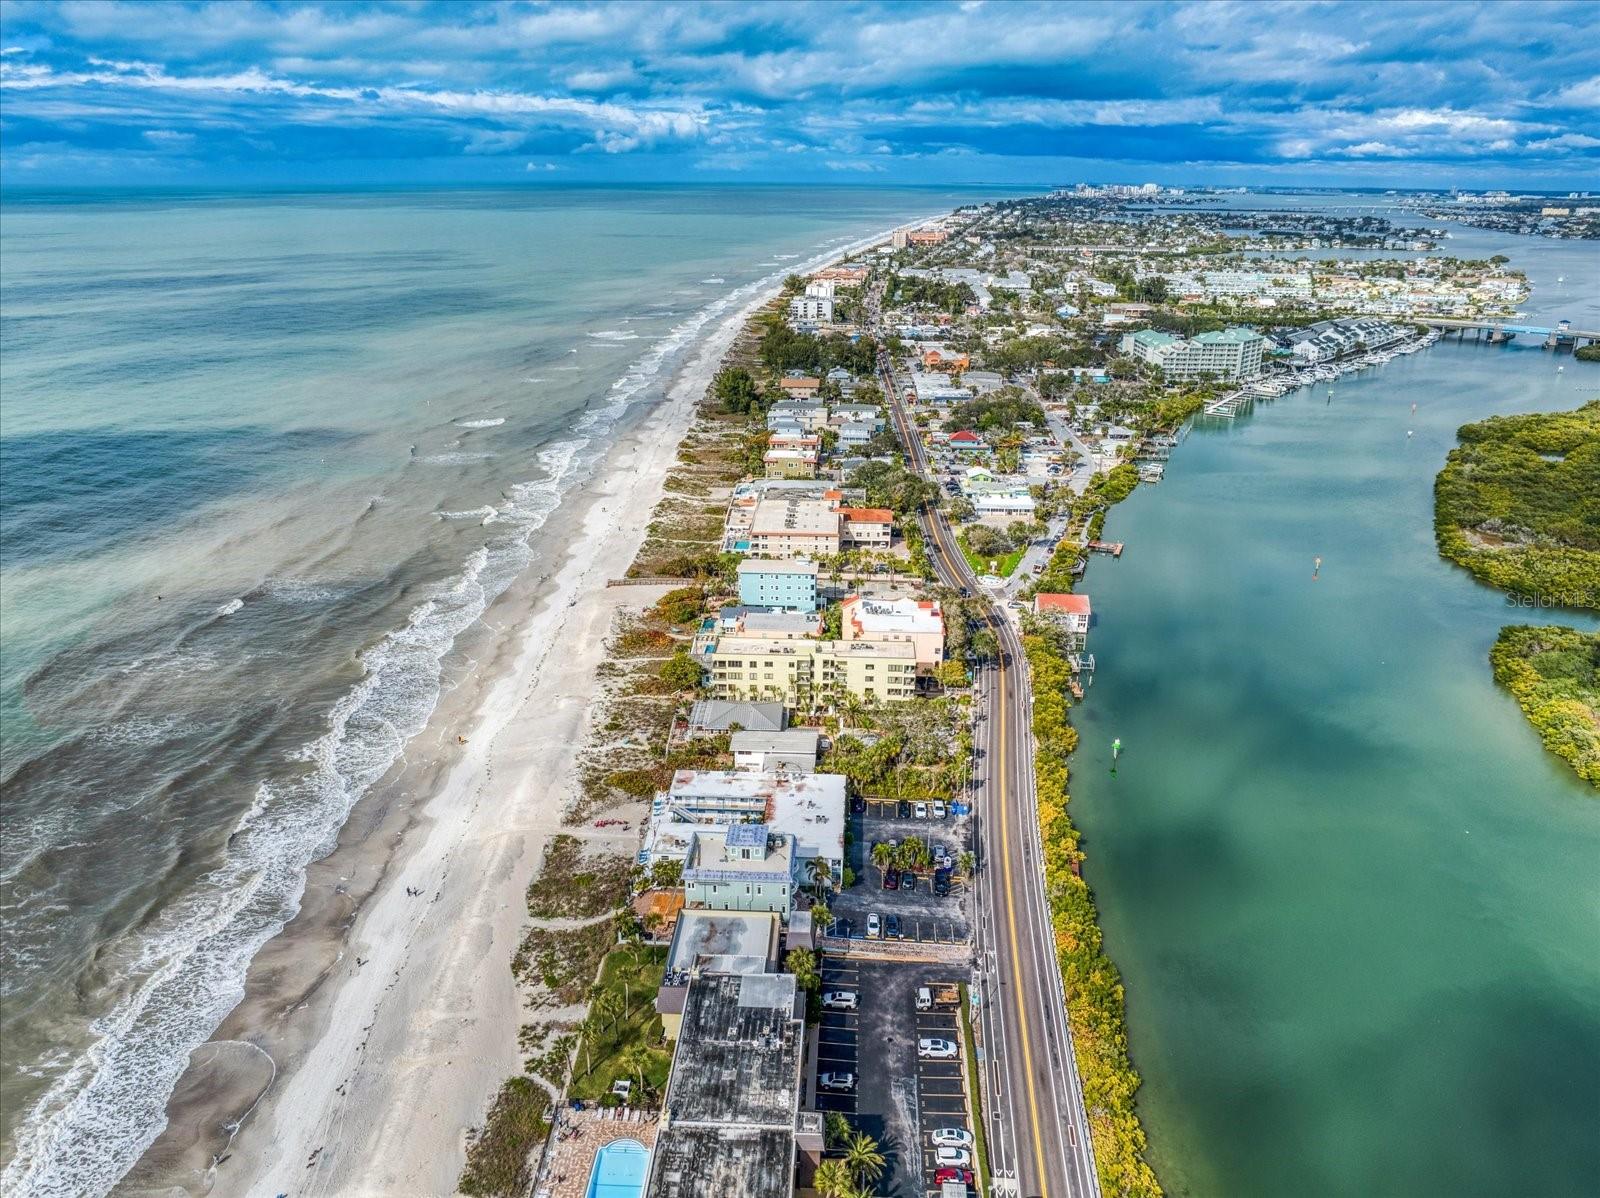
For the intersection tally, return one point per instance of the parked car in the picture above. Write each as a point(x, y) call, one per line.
point(874, 929)
point(933, 1049)
point(952, 1156)
point(858, 805)
point(840, 1000)
point(891, 930)
point(920, 810)
point(940, 811)
point(891, 879)
point(941, 882)
point(951, 1137)
point(961, 1176)
point(836, 1081)
point(904, 808)
point(908, 881)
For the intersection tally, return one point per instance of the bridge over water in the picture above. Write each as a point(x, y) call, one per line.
point(1503, 330)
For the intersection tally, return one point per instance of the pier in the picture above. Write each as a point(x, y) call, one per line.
point(1114, 548)
point(1226, 406)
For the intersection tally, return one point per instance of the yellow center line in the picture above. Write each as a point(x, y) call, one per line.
point(1011, 909)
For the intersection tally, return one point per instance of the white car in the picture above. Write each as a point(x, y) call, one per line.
point(944, 1157)
point(951, 1137)
point(840, 1000)
point(939, 811)
point(936, 1050)
point(874, 926)
point(920, 810)
point(836, 1081)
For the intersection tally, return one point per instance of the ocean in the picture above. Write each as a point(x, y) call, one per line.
point(265, 457)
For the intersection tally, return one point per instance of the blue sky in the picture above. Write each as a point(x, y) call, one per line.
point(1385, 94)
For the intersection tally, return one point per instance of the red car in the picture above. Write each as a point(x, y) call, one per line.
point(964, 1176)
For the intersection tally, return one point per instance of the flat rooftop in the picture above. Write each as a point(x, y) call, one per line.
point(753, 565)
point(692, 1162)
point(809, 807)
point(893, 615)
point(746, 935)
point(796, 517)
point(737, 1064)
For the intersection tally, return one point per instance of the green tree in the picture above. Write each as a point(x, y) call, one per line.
point(965, 864)
point(736, 390)
point(913, 853)
point(821, 874)
point(681, 605)
point(802, 962)
point(836, 1129)
point(666, 874)
point(681, 671)
point(864, 1160)
point(833, 1180)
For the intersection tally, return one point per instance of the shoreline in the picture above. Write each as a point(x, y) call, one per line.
point(352, 1009)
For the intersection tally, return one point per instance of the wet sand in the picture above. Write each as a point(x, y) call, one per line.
point(377, 1027)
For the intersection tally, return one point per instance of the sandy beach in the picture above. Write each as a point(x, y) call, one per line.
point(376, 1029)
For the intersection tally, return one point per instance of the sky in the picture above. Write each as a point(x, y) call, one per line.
point(1295, 93)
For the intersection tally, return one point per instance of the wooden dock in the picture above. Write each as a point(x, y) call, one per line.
point(1114, 548)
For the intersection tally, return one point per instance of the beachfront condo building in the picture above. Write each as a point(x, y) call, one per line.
point(740, 867)
point(1229, 355)
point(790, 463)
point(917, 622)
point(808, 674)
point(790, 585)
point(807, 807)
point(789, 528)
point(866, 528)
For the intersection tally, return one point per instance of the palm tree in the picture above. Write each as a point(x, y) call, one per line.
point(821, 873)
point(862, 1158)
point(589, 1029)
point(833, 1180)
point(882, 854)
point(608, 1007)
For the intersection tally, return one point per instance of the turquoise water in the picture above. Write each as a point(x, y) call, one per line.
point(265, 458)
point(1353, 899)
point(620, 1170)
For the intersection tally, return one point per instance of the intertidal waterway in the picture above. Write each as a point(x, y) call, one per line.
point(1352, 897)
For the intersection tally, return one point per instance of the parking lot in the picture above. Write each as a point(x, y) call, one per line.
point(922, 915)
point(900, 1099)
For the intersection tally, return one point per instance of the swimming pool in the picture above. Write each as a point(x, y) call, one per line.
point(620, 1170)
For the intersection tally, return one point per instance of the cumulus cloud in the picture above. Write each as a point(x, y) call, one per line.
point(853, 86)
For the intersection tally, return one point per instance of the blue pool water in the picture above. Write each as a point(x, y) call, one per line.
point(620, 1169)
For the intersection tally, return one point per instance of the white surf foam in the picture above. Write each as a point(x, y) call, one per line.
point(614, 335)
point(185, 972)
point(483, 422)
point(231, 606)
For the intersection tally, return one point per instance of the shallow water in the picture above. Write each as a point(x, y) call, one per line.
point(1353, 899)
point(265, 458)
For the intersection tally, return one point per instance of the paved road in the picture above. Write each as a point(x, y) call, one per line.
point(1033, 1096)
